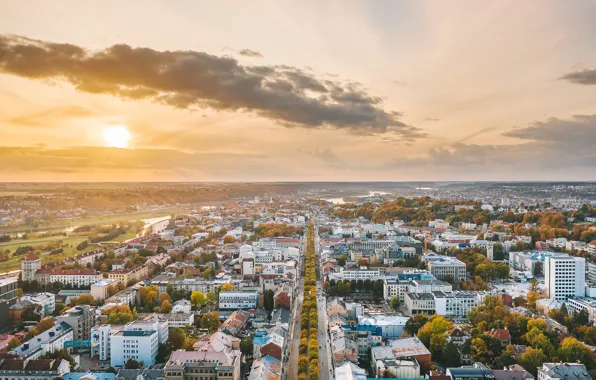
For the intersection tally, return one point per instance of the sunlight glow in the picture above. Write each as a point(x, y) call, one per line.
point(116, 136)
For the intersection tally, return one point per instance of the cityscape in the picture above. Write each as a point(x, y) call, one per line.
point(298, 190)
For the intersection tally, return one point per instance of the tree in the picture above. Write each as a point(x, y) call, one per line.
point(210, 321)
point(478, 350)
point(415, 323)
point(229, 239)
point(133, 364)
point(436, 325)
point(341, 260)
point(268, 301)
point(176, 337)
point(362, 262)
point(166, 307)
point(394, 303)
point(212, 297)
point(531, 359)
point(207, 274)
point(163, 296)
point(14, 342)
point(572, 350)
point(228, 286)
point(246, 346)
point(45, 324)
point(198, 299)
point(84, 299)
point(451, 355)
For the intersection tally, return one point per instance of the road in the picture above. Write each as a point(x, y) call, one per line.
point(293, 347)
point(325, 363)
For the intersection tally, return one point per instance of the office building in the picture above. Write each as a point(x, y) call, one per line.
point(47, 301)
point(448, 268)
point(140, 345)
point(565, 276)
point(238, 300)
point(8, 290)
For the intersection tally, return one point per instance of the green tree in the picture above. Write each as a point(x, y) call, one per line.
point(451, 355)
point(268, 301)
point(246, 346)
point(394, 303)
point(415, 323)
point(133, 364)
point(176, 337)
point(532, 359)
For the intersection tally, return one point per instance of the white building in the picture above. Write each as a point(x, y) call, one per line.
point(29, 266)
point(448, 267)
point(137, 340)
point(99, 290)
point(238, 300)
point(100, 340)
point(357, 274)
point(47, 301)
point(48, 341)
point(558, 371)
point(181, 306)
point(456, 303)
point(565, 276)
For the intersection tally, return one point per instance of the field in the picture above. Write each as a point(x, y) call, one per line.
point(69, 251)
point(95, 220)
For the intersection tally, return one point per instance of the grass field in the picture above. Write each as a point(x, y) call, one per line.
point(70, 251)
point(96, 220)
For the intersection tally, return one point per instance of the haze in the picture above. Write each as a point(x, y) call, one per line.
point(300, 91)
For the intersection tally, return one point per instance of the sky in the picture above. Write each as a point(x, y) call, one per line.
point(298, 90)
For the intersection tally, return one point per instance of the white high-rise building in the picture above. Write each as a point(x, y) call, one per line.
point(564, 276)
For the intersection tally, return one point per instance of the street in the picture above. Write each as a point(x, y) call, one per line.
point(325, 363)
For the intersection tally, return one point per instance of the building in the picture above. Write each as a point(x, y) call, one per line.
point(478, 371)
point(71, 277)
point(99, 290)
point(47, 301)
point(384, 326)
point(448, 268)
point(48, 341)
point(128, 276)
point(214, 365)
point(37, 369)
point(401, 349)
point(8, 290)
point(238, 300)
point(455, 304)
point(29, 266)
point(420, 303)
point(171, 319)
point(559, 371)
point(139, 345)
point(81, 318)
point(100, 340)
point(565, 276)
point(349, 371)
point(265, 368)
point(138, 340)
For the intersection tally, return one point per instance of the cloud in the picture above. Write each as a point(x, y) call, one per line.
point(431, 119)
point(585, 77)
point(85, 159)
point(194, 80)
point(328, 157)
point(399, 83)
point(544, 145)
point(251, 53)
point(51, 115)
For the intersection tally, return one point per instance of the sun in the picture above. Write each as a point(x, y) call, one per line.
point(116, 136)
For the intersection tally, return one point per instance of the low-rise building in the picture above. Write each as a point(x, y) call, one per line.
point(223, 365)
point(47, 301)
point(99, 290)
point(37, 369)
point(559, 371)
point(238, 300)
point(48, 341)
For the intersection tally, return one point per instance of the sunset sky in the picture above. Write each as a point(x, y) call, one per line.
point(297, 90)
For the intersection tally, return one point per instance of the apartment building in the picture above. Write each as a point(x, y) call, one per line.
point(128, 276)
point(455, 304)
point(565, 276)
point(37, 369)
point(8, 290)
point(139, 345)
point(99, 290)
point(81, 318)
point(70, 277)
point(48, 341)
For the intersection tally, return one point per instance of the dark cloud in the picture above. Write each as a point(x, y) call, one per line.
point(51, 116)
point(191, 80)
point(250, 53)
point(585, 77)
point(544, 145)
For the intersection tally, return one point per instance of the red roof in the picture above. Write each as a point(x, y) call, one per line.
point(68, 272)
point(31, 256)
point(499, 334)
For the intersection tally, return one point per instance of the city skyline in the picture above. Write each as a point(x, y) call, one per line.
point(287, 91)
